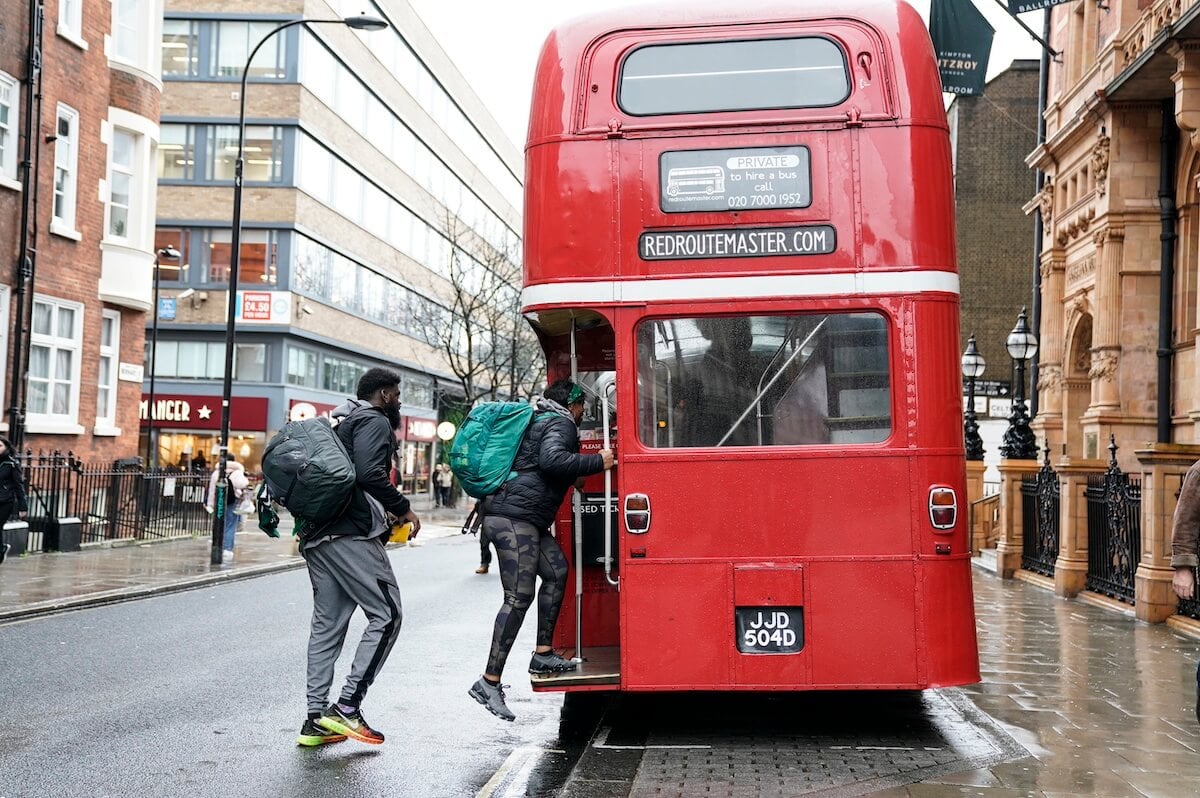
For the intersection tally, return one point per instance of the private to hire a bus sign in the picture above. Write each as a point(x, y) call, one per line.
point(741, 242)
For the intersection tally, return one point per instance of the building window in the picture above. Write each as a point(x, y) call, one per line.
point(249, 362)
point(106, 380)
point(263, 153)
point(55, 341)
point(121, 183)
point(231, 44)
point(128, 16)
point(66, 153)
point(9, 91)
point(177, 152)
point(180, 48)
point(70, 18)
point(258, 264)
point(302, 367)
point(173, 271)
point(341, 376)
point(205, 360)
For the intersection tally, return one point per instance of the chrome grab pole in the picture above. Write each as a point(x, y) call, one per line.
point(577, 545)
point(608, 554)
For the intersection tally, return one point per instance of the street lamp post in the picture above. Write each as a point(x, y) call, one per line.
point(1019, 443)
point(166, 253)
point(360, 22)
point(972, 368)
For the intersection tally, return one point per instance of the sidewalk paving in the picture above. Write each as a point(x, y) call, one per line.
point(38, 584)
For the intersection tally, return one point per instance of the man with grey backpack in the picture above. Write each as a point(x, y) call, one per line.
point(349, 567)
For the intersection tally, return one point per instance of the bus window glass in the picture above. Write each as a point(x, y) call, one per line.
point(798, 380)
point(761, 74)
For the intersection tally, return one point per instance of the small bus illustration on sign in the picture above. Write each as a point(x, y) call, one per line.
point(696, 180)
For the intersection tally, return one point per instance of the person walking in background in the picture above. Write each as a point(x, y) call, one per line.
point(12, 490)
point(235, 472)
point(517, 518)
point(1185, 546)
point(485, 553)
point(445, 481)
point(349, 567)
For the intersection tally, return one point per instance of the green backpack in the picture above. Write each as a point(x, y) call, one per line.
point(486, 445)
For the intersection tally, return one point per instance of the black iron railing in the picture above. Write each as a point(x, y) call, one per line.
point(116, 502)
point(1114, 512)
point(1039, 517)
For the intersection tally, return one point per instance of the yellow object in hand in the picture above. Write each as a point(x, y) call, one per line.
point(400, 532)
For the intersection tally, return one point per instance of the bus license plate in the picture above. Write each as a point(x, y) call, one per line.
point(769, 630)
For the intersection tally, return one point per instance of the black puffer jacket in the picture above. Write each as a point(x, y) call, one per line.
point(547, 463)
point(367, 435)
point(11, 489)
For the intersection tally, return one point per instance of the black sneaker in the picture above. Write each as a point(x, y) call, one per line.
point(4, 551)
point(550, 662)
point(351, 724)
point(492, 698)
point(312, 735)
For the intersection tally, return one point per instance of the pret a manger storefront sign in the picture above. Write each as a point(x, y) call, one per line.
point(185, 411)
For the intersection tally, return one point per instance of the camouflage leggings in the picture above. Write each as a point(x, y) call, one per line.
point(524, 553)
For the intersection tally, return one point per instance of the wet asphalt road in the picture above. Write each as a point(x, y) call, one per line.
point(201, 693)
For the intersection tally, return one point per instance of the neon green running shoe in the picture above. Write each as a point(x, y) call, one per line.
point(312, 735)
point(351, 724)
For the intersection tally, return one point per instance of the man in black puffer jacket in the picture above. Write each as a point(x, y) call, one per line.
point(517, 520)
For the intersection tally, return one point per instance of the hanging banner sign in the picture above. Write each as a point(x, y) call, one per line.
point(963, 41)
point(1021, 6)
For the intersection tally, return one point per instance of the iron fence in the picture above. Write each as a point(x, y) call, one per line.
point(119, 502)
point(1039, 516)
point(1114, 513)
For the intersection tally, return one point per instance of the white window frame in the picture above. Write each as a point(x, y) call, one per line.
point(107, 424)
point(66, 158)
point(10, 97)
point(70, 22)
point(130, 171)
point(57, 423)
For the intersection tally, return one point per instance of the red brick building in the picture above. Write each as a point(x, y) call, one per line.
point(73, 303)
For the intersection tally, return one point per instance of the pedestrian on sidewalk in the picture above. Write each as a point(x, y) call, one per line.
point(235, 473)
point(12, 491)
point(485, 553)
point(517, 521)
point(1185, 546)
point(349, 567)
point(445, 481)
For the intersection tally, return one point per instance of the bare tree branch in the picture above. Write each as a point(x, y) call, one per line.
point(480, 332)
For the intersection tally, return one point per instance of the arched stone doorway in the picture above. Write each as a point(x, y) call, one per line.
point(1077, 387)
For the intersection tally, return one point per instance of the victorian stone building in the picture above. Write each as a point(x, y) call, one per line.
point(1118, 277)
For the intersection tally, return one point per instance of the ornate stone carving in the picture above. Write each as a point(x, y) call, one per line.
point(1100, 162)
point(1049, 377)
point(1104, 365)
point(1045, 201)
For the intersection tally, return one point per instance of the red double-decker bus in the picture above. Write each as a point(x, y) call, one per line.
point(739, 238)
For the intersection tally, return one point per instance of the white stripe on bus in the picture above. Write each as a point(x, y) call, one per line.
point(681, 289)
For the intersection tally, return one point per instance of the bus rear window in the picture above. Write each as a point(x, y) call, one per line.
point(797, 380)
point(706, 77)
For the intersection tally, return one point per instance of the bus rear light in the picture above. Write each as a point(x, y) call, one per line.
point(637, 513)
point(943, 508)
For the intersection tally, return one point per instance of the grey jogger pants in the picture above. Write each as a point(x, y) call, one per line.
point(347, 573)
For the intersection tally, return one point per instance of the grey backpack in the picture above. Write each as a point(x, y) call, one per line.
point(307, 470)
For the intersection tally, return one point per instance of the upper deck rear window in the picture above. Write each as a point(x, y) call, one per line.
point(703, 77)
